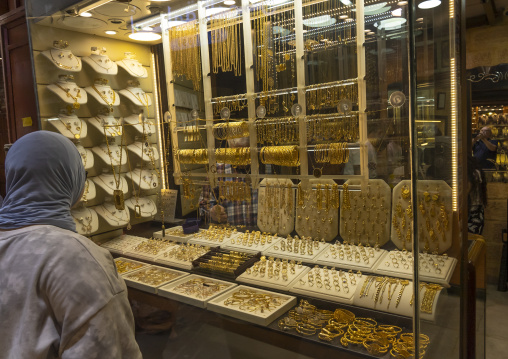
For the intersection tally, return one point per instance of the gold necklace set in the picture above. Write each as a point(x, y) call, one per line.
point(185, 52)
point(111, 129)
point(85, 221)
point(226, 40)
point(61, 55)
point(276, 131)
point(436, 218)
point(78, 127)
point(143, 99)
point(117, 192)
point(108, 96)
point(67, 91)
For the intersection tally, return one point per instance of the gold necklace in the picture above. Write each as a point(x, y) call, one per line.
point(144, 103)
point(67, 91)
point(118, 219)
point(68, 126)
point(85, 192)
point(100, 60)
point(84, 157)
point(86, 222)
point(134, 65)
point(59, 64)
point(111, 130)
point(117, 193)
point(105, 98)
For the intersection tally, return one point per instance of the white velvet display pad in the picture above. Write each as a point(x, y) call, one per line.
point(265, 318)
point(107, 183)
point(275, 250)
point(86, 157)
point(113, 216)
point(274, 283)
point(111, 95)
point(202, 239)
point(137, 252)
point(90, 192)
point(241, 244)
point(275, 220)
point(368, 260)
point(170, 256)
point(427, 273)
point(78, 127)
point(302, 286)
point(122, 244)
point(148, 207)
point(65, 57)
point(169, 290)
point(146, 179)
point(85, 217)
point(74, 90)
point(137, 96)
point(101, 64)
point(133, 283)
point(133, 67)
point(143, 265)
point(140, 150)
point(311, 222)
point(102, 153)
point(174, 234)
point(404, 307)
point(368, 219)
point(432, 188)
point(133, 121)
point(107, 124)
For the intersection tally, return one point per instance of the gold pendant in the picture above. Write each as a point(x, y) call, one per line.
point(317, 172)
point(118, 198)
point(77, 136)
point(137, 211)
point(76, 105)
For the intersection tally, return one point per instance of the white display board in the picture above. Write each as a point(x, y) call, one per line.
point(276, 211)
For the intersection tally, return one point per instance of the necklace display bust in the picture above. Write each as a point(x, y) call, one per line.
point(99, 61)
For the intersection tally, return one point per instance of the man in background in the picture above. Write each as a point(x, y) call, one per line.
point(485, 149)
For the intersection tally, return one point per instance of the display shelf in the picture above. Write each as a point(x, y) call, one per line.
point(125, 265)
point(273, 273)
point(150, 278)
point(120, 245)
point(251, 242)
point(284, 303)
point(336, 285)
point(195, 290)
point(182, 255)
point(149, 249)
point(282, 250)
point(174, 234)
point(432, 267)
point(350, 256)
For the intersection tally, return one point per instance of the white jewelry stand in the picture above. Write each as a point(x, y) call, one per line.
point(271, 219)
point(133, 67)
point(257, 275)
point(114, 159)
point(86, 220)
point(63, 59)
point(113, 216)
point(137, 96)
point(107, 183)
point(350, 256)
point(90, 192)
point(384, 304)
point(112, 125)
point(147, 206)
point(144, 179)
point(143, 151)
point(107, 92)
point(74, 90)
point(100, 62)
point(315, 223)
point(134, 122)
point(86, 157)
point(70, 126)
point(368, 220)
point(431, 195)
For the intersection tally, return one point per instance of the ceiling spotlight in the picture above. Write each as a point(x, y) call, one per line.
point(145, 36)
point(86, 14)
point(429, 4)
point(110, 32)
point(229, 2)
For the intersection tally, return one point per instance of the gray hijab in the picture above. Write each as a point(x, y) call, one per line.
point(44, 178)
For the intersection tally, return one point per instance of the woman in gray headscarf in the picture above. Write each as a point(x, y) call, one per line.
point(60, 294)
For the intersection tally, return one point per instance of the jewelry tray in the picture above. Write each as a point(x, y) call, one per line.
point(170, 237)
point(150, 257)
point(143, 265)
point(122, 244)
point(169, 292)
point(279, 284)
point(217, 305)
point(321, 259)
point(271, 251)
point(253, 249)
point(205, 242)
point(231, 276)
point(149, 288)
point(176, 262)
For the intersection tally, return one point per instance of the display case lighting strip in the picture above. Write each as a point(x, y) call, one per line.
point(183, 11)
point(158, 120)
point(92, 6)
point(151, 21)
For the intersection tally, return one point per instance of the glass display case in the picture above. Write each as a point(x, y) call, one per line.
point(318, 142)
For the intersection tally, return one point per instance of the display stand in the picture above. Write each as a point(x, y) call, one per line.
point(144, 151)
point(147, 208)
point(350, 256)
point(125, 266)
point(100, 62)
point(137, 96)
point(134, 121)
point(63, 58)
point(89, 193)
point(136, 279)
point(144, 180)
point(132, 66)
point(111, 154)
point(199, 298)
point(276, 211)
point(112, 216)
point(86, 220)
point(70, 126)
point(305, 250)
point(122, 244)
point(313, 219)
point(182, 255)
point(106, 124)
point(104, 95)
point(107, 183)
point(367, 221)
point(86, 157)
point(251, 242)
point(262, 274)
point(67, 90)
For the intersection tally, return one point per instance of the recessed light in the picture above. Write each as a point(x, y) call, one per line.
point(110, 32)
point(86, 14)
point(229, 2)
point(429, 4)
point(144, 36)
